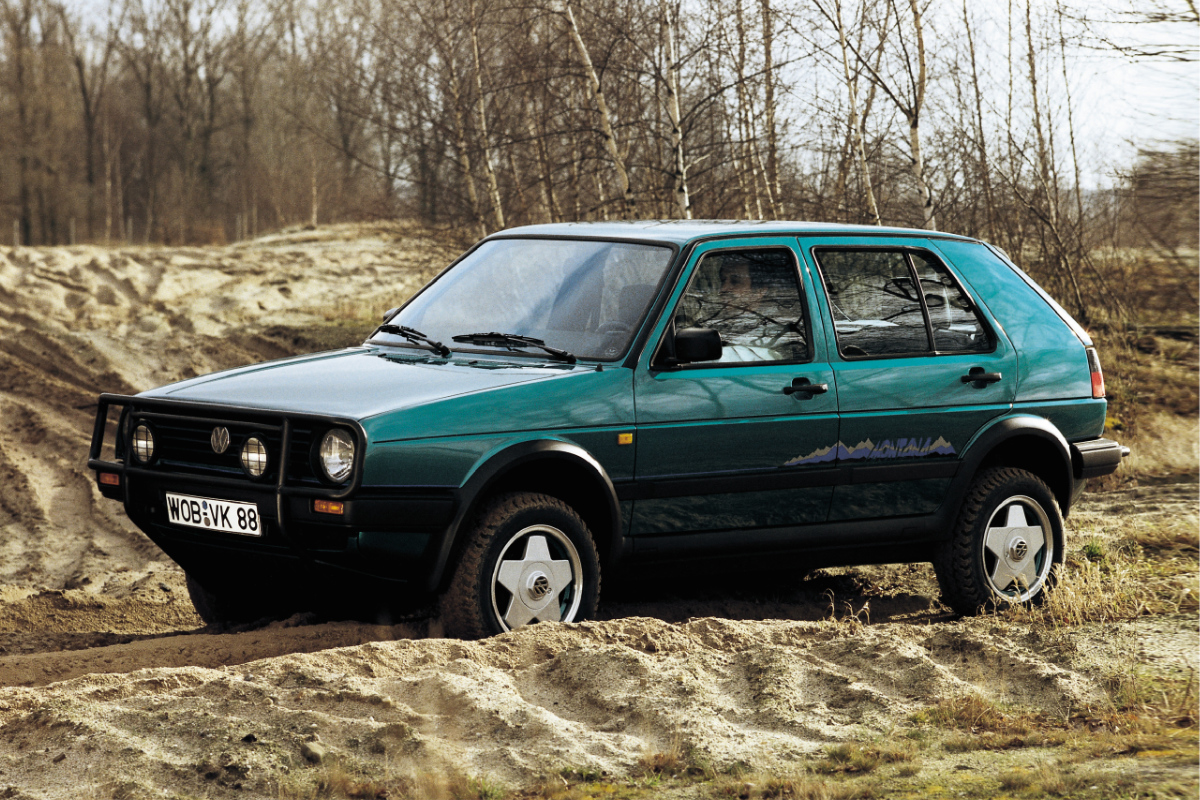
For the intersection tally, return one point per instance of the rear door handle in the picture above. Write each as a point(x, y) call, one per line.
point(805, 388)
point(979, 376)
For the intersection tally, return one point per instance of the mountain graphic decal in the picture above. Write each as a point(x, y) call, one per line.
point(868, 450)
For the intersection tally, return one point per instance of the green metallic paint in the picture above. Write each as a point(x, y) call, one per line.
point(580, 405)
point(1051, 364)
point(708, 419)
point(450, 422)
point(392, 548)
point(356, 382)
point(918, 398)
point(732, 511)
point(1078, 420)
point(897, 499)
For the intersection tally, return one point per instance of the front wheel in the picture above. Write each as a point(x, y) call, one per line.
point(1006, 543)
point(528, 558)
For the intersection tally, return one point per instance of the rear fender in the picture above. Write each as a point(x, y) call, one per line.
point(1024, 441)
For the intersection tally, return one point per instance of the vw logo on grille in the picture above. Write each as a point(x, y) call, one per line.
point(219, 439)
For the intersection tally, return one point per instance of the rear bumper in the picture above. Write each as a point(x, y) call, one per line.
point(1096, 457)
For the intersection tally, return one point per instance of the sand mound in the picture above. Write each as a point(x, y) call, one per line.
point(595, 696)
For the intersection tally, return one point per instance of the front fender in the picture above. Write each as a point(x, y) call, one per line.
point(491, 471)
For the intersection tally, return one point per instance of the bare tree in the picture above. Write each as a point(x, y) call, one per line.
point(607, 132)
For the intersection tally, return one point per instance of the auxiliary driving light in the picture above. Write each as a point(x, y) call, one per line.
point(254, 457)
point(143, 443)
point(337, 455)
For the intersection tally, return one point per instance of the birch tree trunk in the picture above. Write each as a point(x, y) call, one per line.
point(460, 136)
point(914, 121)
point(481, 107)
point(772, 166)
point(855, 125)
point(606, 128)
point(745, 126)
point(1050, 216)
point(984, 167)
point(682, 202)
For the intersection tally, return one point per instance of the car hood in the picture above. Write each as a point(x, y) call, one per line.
point(358, 382)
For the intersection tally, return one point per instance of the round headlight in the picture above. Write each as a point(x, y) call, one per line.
point(337, 455)
point(143, 443)
point(254, 457)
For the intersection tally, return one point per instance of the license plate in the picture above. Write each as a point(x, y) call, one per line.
point(214, 515)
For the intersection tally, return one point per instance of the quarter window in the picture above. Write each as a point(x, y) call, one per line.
point(753, 299)
point(898, 302)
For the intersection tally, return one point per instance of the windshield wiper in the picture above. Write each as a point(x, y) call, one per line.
point(415, 336)
point(511, 341)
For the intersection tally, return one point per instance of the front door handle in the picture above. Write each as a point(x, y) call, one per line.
point(805, 388)
point(978, 376)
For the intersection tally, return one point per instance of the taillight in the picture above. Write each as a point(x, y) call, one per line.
point(1097, 373)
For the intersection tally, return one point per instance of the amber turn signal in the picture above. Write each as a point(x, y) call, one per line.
point(329, 507)
point(110, 479)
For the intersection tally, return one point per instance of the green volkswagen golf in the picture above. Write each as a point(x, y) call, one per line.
point(567, 401)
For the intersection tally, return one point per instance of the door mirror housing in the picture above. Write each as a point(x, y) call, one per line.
point(697, 344)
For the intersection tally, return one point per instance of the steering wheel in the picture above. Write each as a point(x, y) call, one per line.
point(613, 326)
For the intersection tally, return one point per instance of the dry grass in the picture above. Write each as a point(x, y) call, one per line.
point(1150, 372)
point(332, 781)
point(854, 757)
point(973, 713)
point(1137, 567)
point(1108, 591)
point(793, 787)
point(1161, 443)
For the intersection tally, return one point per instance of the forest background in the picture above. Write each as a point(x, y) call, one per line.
point(209, 121)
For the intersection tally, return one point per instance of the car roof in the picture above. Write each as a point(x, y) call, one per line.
point(683, 231)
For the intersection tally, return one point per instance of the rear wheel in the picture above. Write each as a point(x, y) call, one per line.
point(528, 558)
point(1006, 543)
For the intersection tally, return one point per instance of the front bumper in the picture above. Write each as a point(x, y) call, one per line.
point(381, 543)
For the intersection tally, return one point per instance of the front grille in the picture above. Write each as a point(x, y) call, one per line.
point(183, 445)
point(300, 467)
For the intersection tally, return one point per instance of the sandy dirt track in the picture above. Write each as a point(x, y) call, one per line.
point(111, 687)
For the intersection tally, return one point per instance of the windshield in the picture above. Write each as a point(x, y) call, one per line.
point(583, 297)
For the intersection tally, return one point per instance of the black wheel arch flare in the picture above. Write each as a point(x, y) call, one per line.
point(1023, 441)
point(511, 462)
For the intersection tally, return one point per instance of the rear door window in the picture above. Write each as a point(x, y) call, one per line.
point(898, 302)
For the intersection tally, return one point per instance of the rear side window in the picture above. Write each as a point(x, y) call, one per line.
point(898, 302)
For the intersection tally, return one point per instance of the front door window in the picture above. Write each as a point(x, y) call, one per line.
point(752, 299)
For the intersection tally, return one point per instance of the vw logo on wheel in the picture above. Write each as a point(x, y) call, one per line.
point(219, 439)
point(1018, 549)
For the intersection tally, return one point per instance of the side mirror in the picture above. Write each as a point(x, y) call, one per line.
point(391, 312)
point(697, 344)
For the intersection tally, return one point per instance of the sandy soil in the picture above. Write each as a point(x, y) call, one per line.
point(110, 686)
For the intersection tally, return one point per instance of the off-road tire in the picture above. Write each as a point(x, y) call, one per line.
point(467, 610)
point(959, 561)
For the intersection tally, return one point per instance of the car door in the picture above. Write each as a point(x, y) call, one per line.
point(920, 368)
point(736, 444)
